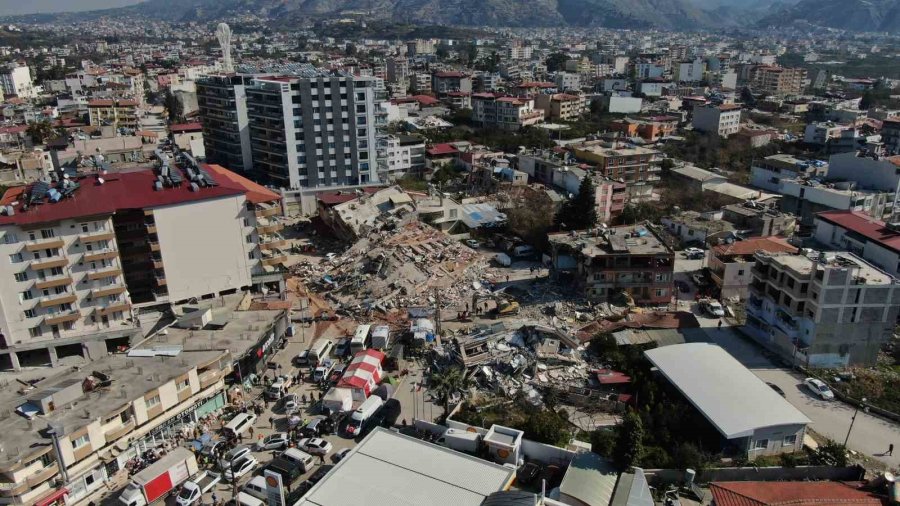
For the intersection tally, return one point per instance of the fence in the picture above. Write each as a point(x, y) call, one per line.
point(662, 477)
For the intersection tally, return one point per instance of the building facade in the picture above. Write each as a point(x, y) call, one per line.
point(722, 120)
point(222, 104)
point(875, 241)
point(15, 80)
point(508, 113)
point(832, 311)
point(637, 167)
point(118, 113)
point(774, 80)
point(399, 155)
point(730, 264)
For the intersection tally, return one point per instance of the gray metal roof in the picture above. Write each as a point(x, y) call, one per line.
point(390, 468)
point(728, 394)
point(632, 490)
point(590, 478)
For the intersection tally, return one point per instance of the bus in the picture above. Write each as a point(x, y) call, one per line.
point(360, 339)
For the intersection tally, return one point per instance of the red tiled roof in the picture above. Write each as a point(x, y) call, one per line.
point(425, 99)
point(126, 190)
point(442, 149)
point(790, 493)
point(186, 127)
point(864, 225)
point(610, 377)
point(256, 193)
point(751, 245)
point(100, 103)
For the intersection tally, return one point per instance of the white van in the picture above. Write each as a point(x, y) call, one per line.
point(362, 414)
point(239, 424)
point(319, 351)
point(298, 457)
point(256, 487)
point(247, 500)
point(360, 339)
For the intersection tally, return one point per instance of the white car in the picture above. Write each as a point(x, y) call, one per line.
point(819, 388)
point(233, 454)
point(291, 404)
point(472, 243)
point(275, 441)
point(240, 467)
point(315, 446)
point(715, 308)
point(692, 253)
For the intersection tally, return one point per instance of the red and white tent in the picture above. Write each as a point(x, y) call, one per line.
point(363, 374)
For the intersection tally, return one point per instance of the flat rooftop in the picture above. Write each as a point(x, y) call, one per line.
point(131, 378)
point(697, 221)
point(616, 151)
point(626, 240)
point(390, 468)
point(835, 260)
point(731, 397)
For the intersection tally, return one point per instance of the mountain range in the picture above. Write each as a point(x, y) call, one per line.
point(854, 15)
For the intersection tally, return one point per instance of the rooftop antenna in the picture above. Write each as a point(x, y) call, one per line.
point(223, 34)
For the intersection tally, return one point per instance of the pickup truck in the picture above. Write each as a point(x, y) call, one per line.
point(192, 491)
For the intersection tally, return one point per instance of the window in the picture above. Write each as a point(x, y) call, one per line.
point(47, 233)
point(59, 290)
point(82, 441)
point(84, 227)
point(249, 238)
point(15, 258)
point(184, 384)
point(740, 272)
point(760, 444)
point(30, 313)
point(246, 222)
point(35, 331)
point(152, 402)
point(56, 271)
point(250, 256)
point(790, 440)
point(10, 238)
point(21, 276)
point(26, 295)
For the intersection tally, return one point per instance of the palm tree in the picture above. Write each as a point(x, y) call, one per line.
point(445, 384)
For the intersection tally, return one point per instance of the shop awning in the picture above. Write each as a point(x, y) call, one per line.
point(52, 497)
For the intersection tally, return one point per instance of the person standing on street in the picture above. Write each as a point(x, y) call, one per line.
point(271, 422)
point(890, 449)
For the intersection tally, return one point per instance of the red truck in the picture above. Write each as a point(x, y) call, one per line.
point(160, 478)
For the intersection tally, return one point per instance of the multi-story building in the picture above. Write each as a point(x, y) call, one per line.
point(868, 170)
point(222, 103)
point(890, 134)
point(399, 155)
point(730, 264)
point(637, 167)
point(420, 82)
point(775, 80)
point(118, 113)
point(690, 71)
point(693, 227)
point(508, 113)
point(567, 81)
point(650, 129)
point(448, 81)
point(315, 130)
point(835, 138)
point(833, 310)
point(83, 251)
point(397, 69)
point(767, 173)
point(753, 219)
point(804, 198)
point(73, 436)
point(15, 80)
point(875, 241)
point(561, 106)
point(722, 120)
point(610, 261)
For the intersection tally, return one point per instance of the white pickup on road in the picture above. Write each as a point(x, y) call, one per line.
point(192, 491)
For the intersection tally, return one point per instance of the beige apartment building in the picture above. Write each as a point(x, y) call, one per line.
point(118, 113)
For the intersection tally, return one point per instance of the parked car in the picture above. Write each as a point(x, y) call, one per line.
point(240, 467)
point(777, 389)
point(712, 307)
point(315, 446)
point(275, 441)
point(340, 454)
point(819, 388)
point(314, 428)
point(302, 358)
point(342, 348)
point(472, 243)
point(694, 253)
point(319, 474)
point(233, 454)
point(290, 403)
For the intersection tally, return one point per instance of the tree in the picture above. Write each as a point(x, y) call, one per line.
point(603, 442)
point(580, 213)
point(667, 164)
point(531, 221)
point(447, 383)
point(350, 49)
point(629, 441)
point(556, 62)
point(471, 53)
point(866, 101)
point(173, 106)
point(831, 453)
point(546, 426)
point(442, 53)
point(41, 131)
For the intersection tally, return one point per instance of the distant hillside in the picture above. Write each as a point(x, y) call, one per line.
point(853, 15)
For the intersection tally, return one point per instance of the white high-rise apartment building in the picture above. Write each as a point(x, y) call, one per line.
point(16, 80)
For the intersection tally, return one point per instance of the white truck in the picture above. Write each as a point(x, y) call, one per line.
point(192, 491)
point(160, 478)
point(460, 440)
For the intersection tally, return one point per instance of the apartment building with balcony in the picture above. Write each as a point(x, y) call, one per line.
point(77, 263)
point(767, 173)
point(73, 433)
point(637, 167)
point(730, 264)
point(120, 113)
point(827, 310)
point(561, 106)
point(608, 262)
point(313, 130)
point(400, 155)
point(508, 113)
point(222, 104)
point(722, 120)
point(775, 80)
point(753, 219)
point(874, 240)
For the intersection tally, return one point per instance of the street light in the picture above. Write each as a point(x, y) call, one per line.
point(865, 408)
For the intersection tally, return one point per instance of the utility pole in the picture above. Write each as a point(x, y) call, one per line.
point(437, 311)
point(862, 403)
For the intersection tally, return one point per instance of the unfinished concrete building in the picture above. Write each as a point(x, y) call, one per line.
point(831, 311)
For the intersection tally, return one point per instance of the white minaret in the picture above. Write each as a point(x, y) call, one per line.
point(223, 34)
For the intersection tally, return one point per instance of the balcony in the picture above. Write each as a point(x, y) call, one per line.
point(54, 281)
point(49, 263)
point(101, 236)
point(40, 244)
point(269, 228)
point(272, 241)
point(108, 310)
point(157, 264)
point(118, 432)
point(56, 300)
point(106, 273)
point(154, 245)
point(275, 260)
point(62, 317)
point(161, 281)
point(210, 377)
point(42, 475)
point(265, 212)
point(108, 290)
point(8, 489)
point(96, 256)
point(151, 228)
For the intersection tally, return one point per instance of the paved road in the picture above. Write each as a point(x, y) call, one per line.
point(871, 435)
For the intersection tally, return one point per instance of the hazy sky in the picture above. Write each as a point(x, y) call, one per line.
point(13, 7)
